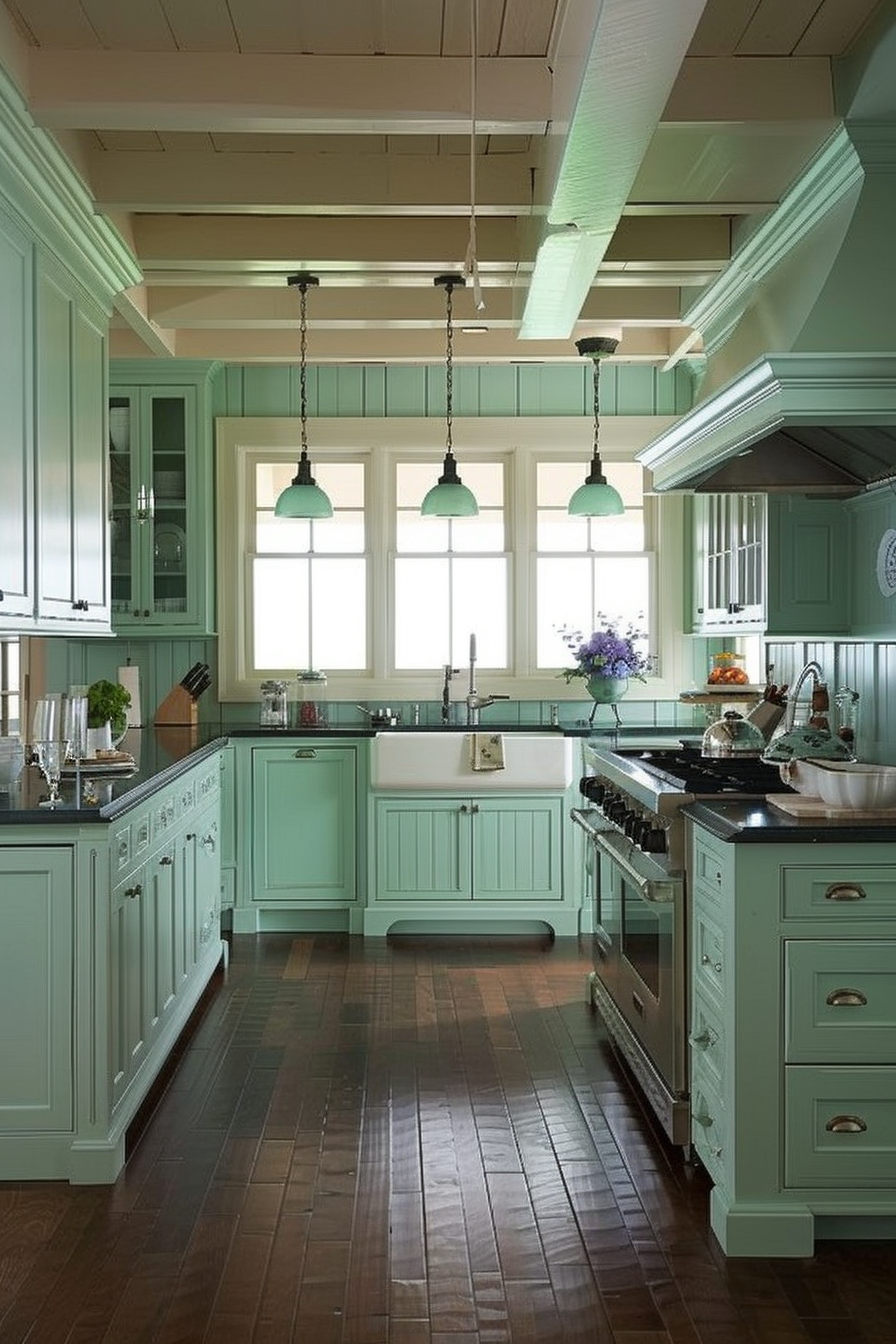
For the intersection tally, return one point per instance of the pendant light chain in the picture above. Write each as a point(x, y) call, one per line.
point(303, 348)
point(449, 366)
point(596, 407)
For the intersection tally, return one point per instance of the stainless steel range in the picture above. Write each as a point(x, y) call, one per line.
point(637, 871)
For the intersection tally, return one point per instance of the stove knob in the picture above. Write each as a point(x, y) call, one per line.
point(655, 842)
point(641, 831)
point(598, 791)
point(630, 821)
point(615, 808)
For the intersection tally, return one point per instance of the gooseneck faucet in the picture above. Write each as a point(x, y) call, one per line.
point(474, 700)
point(813, 670)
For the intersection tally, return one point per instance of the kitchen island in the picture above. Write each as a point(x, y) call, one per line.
point(111, 933)
point(793, 1024)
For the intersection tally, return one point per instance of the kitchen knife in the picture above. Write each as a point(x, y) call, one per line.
point(192, 678)
point(202, 684)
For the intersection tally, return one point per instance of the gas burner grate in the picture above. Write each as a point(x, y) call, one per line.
point(697, 774)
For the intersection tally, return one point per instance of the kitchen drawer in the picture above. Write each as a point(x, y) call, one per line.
point(707, 1040)
point(710, 1127)
point(840, 1001)
point(840, 892)
point(713, 868)
point(710, 967)
point(861, 1154)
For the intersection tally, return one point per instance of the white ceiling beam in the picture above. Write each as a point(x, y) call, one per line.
point(278, 94)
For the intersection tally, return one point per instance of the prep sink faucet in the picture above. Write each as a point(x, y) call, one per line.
point(475, 701)
point(812, 669)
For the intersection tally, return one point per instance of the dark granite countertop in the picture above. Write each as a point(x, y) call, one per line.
point(755, 821)
point(160, 755)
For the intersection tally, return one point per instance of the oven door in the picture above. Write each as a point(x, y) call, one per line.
point(646, 906)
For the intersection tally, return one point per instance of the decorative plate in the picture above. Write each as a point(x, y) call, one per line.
point(886, 563)
point(170, 548)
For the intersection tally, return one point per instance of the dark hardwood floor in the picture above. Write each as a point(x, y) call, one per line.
point(405, 1141)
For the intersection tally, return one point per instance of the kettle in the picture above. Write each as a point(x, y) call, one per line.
point(733, 735)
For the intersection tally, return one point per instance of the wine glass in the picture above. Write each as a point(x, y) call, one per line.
point(74, 731)
point(45, 723)
point(51, 752)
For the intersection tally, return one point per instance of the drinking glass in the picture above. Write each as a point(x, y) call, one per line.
point(51, 753)
point(74, 726)
point(45, 719)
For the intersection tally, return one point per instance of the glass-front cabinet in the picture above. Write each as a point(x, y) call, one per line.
point(161, 514)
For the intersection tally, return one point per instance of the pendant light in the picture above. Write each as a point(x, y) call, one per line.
point(304, 497)
point(449, 498)
point(596, 498)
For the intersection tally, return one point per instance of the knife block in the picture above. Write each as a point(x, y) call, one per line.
point(178, 708)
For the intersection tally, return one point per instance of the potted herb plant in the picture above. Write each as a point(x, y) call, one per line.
point(107, 715)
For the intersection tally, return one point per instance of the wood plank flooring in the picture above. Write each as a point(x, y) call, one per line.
point(407, 1141)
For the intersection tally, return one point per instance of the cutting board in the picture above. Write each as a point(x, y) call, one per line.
point(802, 805)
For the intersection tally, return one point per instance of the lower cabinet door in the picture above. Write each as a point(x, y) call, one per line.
point(304, 825)
point(423, 850)
point(128, 991)
point(36, 956)
point(516, 849)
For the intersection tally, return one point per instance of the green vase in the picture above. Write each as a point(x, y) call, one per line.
point(607, 690)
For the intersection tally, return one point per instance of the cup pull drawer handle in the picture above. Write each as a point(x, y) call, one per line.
point(846, 1124)
point(305, 754)
point(846, 998)
point(844, 891)
point(704, 1040)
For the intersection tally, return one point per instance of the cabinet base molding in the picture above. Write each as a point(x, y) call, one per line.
point(761, 1229)
point(266, 920)
point(378, 922)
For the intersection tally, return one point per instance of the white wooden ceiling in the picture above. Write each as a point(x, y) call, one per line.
point(620, 145)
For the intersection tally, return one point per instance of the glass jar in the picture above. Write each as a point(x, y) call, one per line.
point(274, 705)
point(311, 700)
point(727, 669)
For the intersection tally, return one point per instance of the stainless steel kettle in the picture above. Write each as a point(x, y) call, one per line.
point(733, 735)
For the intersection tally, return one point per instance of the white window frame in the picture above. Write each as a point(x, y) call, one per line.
point(240, 442)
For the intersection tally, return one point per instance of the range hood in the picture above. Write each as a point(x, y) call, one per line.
point(815, 283)
point(804, 424)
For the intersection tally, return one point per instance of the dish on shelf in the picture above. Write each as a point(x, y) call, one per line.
point(169, 548)
point(169, 484)
point(122, 763)
point(120, 428)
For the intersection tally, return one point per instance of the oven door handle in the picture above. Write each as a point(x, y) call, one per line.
point(660, 890)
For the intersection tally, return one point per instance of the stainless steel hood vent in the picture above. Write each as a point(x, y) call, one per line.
point(804, 424)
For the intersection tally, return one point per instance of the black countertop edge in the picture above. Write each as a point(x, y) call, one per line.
point(754, 821)
point(598, 736)
point(148, 787)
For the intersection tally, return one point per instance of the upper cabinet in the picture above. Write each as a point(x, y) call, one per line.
point(72, 490)
point(17, 599)
point(778, 564)
point(162, 541)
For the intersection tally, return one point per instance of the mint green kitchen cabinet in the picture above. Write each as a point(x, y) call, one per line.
point(36, 981)
point(70, 456)
point(304, 801)
point(772, 563)
point(468, 860)
point(793, 1040)
point(161, 519)
point(111, 934)
point(17, 591)
point(229, 829)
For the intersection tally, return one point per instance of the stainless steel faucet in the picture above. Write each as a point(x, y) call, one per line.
point(813, 670)
point(448, 672)
point(475, 701)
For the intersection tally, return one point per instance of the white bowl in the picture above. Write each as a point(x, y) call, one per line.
point(854, 785)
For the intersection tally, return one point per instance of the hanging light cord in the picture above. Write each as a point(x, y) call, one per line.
point(471, 265)
point(595, 452)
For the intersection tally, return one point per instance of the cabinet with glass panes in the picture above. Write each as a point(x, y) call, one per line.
point(161, 516)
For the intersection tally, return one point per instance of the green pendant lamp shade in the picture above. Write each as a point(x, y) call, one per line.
point(596, 498)
point(304, 497)
point(449, 497)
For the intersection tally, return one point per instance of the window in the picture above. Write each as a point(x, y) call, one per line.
point(450, 574)
point(588, 567)
point(309, 576)
point(10, 693)
point(380, 598)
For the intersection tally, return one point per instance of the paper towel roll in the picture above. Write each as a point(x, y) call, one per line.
point(129, 677)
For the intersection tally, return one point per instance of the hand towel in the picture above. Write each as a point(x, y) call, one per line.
point(487, 751)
